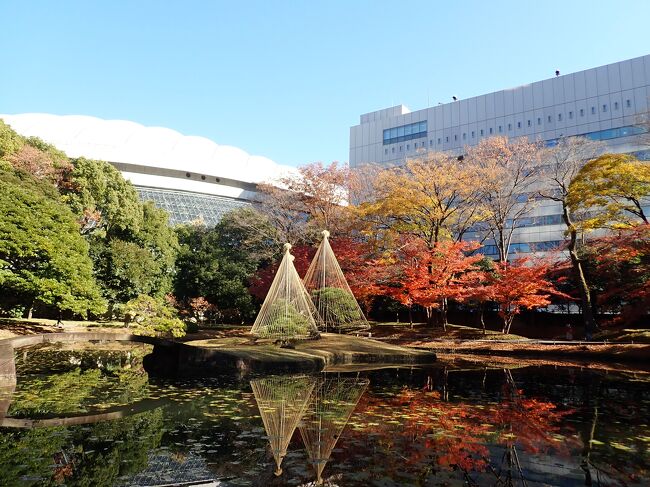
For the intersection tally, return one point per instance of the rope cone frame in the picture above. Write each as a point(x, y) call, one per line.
point(338, 309)
point(282, 402)
point(287, 312)
point(333, 402)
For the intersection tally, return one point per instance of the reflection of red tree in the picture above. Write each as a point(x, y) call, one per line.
point(418, 432)
point(533, 424)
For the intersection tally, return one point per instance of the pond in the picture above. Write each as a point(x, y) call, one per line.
point(94, 417)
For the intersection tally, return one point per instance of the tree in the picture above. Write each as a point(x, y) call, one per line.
point(613, 188)
point(301, 205)
point(218, 263)
point(43, 259)
point(620, 263)
point(562, 164)
point(432, 198)
point(508, 171)
point(151, 316)
point(430, 277)
point(99, 189)
point(522, 284)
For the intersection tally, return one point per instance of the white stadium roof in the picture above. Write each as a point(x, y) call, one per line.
point(121, 141)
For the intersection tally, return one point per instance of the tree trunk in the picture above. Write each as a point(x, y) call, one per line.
point(481, 311)
point(443, 314)
point(583, 287)
point(30, 311)
point(411, 316)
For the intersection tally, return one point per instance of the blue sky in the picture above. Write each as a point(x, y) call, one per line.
point(285, 79)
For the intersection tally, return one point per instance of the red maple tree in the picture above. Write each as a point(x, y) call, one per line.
point(521, 284)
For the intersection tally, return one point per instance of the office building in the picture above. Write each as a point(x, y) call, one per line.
point(604, 103)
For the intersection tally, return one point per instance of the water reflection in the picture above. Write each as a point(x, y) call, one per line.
point(332, 403)
point(413, 426)
point(319, 406)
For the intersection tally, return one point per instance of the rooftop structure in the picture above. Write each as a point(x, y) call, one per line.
point(193, 178)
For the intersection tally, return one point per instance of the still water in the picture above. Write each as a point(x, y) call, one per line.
point(95, 418)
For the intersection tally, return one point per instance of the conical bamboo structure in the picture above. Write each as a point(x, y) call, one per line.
point(338, 309)
point(287, 311)
point(282, 401)
point(331, 406)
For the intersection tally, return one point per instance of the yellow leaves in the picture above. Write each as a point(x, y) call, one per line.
point(609, 190)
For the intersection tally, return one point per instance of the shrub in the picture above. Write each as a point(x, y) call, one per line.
point(152, 317)
point(341, 307)
point(285, 321)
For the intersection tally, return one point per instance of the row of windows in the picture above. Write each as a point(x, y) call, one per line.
point(186, 207)
point(518, 248)
point(606, 134)
point(536, 221)
point(405, 132)
point(418, 129)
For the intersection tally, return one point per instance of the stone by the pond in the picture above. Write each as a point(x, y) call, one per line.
point(218, 356)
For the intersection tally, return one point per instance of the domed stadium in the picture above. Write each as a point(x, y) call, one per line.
point(193, 178)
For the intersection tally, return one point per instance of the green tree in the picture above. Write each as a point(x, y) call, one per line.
point(151, 316)
point(10, 141)
point(612, 188)
point(218, 263)
point(43, 259)
point(103, 199)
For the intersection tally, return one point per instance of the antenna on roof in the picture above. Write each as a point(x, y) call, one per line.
point(454, 98)
point(557, 72)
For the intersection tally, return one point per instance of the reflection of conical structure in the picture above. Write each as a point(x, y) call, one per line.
point(336, 305)
point(333, 401)
point(282, 401)
point(287, 311)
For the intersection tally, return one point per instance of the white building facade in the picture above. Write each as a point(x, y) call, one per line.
point(604, 103)
point(193, 178)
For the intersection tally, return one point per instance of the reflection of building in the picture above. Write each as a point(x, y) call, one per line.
point(192, 178)
point(171, 469)
point(602, 103)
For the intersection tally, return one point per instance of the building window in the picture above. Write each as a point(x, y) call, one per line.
point(447, 138)
point(509, 126)
point(604, 108)
point(472, 134)
point(518, 125)
point(393, 150)
point(481, 132)
point(464, 136)
point(439, 141)
point(408, 146)
point(582, 112)
point(628, 103)
point(455, 136)
point(615, 105)
point(593, 110)
point(559, 117)
point(549, 119)
point(539, 120)
point(385, 151)
point(405, 132)
point(570, 115)
point(490, 130)
point(529, 123)
point(500, 129)
point(431, 143)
